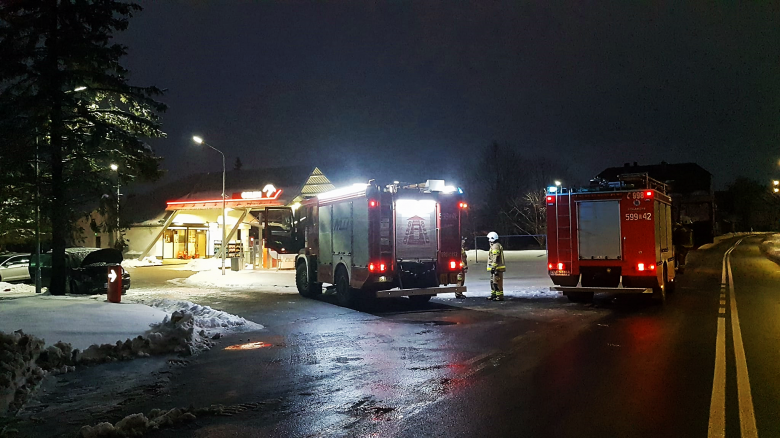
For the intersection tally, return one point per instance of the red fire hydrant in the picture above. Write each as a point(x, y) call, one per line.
point(114, 284)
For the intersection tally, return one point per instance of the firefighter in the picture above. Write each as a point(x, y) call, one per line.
point(464, 268)
point(682, 238)
point(496, 267)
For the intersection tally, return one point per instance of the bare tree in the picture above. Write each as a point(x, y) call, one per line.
point(527, 214)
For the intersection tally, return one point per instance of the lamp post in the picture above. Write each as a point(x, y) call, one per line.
point(115, 168)
point(199, 140)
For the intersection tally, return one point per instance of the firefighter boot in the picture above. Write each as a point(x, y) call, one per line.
point(492, 292)
point(500, 295)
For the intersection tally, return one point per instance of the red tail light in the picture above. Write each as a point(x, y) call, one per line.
point(549, 199)
point(372, 203)
point(453, 265)
point(652, 267)
point(377, 266)
point(463, 205)
point(550, 266)
point(640, 267)
point(649, 194)
point(560, 266)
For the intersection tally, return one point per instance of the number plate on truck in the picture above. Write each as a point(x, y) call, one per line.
point(560, 273)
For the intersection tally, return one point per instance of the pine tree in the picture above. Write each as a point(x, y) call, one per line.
point(63, 89)
point(238, 164)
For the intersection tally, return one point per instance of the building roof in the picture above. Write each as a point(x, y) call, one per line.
point(296, 182)
point(680, 177)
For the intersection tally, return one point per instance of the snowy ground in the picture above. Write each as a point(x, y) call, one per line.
point(17, 290)
point(526, 276)
point(84, 321)
point(771, 247)
point(135, 263)
point(76, 320)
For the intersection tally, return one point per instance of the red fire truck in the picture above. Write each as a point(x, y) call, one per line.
point(611, 237)
point(373, 241)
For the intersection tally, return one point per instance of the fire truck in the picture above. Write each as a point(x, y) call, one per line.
point(611, 237)
point(369, 241)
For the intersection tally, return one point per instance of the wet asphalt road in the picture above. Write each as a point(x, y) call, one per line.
point(524, 367)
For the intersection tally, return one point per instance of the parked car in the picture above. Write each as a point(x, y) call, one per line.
point(87, 269)
point(13, 267)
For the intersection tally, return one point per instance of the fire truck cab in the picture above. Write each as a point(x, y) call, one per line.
point(611, 237)
point(370, 241)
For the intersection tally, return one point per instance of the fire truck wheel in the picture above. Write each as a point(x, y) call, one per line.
point(580, 297)
point(306, 287)
point(344, 293)
point(418, 300)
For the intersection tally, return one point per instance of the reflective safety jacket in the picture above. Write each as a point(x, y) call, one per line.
point(464, 259)
point(496, 258)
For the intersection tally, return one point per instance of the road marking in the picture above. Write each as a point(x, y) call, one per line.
point(722, 310)
point(747, 417)
point(717, 426)
point(723, 302)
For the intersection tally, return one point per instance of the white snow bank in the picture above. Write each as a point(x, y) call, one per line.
point(135, 263)
point(206, 317)
point(79, 321)
point(268, 281)
point(771, 247)
point(204, 264)
point(24, 362)
point(16, 288)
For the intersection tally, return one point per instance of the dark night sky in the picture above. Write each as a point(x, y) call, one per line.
point(413, 88)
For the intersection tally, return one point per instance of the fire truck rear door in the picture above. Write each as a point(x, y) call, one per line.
point(416, 229)
point(598, 229)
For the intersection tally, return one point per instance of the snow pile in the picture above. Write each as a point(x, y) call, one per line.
point(204, 264)
point(138, 424)
point(146, 261)
point(24, 362)
point(175, 334)
point(188, 330)
point(268, 281)
point(771, 247)
point(205, 317)
point(16, 288)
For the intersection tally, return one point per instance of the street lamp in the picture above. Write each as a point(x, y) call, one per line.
point(776, 183)
point(199, 140)
point(557, 183)
point(115, 168)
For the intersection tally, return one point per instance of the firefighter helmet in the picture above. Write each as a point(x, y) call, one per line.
point(492, 236)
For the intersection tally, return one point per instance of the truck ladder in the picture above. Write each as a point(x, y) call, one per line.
point(564, 246)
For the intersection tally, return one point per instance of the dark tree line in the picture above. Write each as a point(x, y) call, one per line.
point(507, 190)
point(67, 109)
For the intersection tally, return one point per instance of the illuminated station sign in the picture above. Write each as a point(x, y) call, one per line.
point(268, 196)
